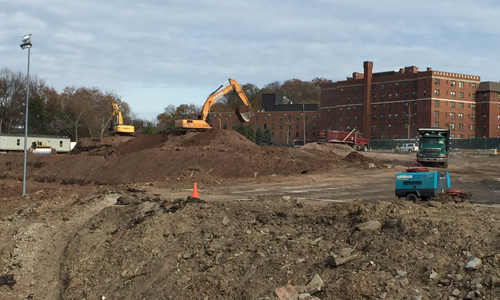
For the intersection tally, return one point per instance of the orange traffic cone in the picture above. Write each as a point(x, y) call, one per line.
point(195, 191)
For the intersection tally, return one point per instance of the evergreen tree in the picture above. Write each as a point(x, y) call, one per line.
point(268, 137)
point(259, 137)
point(250, 133)
point(241, 129)
point(224, 126)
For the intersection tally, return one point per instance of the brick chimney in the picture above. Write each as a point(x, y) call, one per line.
point(367, 98)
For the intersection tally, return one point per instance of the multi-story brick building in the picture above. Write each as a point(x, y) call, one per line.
point(288, 122)
point(393, 104)
point(488, 109)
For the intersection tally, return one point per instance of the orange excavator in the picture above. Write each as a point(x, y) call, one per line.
point(244, 112)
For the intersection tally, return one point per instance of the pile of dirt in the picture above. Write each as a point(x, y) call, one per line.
point(357, 158)
point(339, 149)
point(213, 155)
point(246, 250)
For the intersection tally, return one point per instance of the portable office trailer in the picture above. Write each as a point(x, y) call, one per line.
point(14, 142)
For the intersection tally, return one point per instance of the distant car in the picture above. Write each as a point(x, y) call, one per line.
point(411, 147)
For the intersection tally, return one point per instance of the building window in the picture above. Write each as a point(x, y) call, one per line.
point(395, 95)
point(381, 117)
point(289, 118)
point(472, 127)
point(298, 118)
point(483, 117)
point(473, 106)
point(452, 125)
point(340, 119)
point(405, 126)
point(424, 92)
point(281, 118)
point(388, 126)
point(436, 114)
point(281, 125)
point(460, 126)
point(272, 126)
point(460, 105)
point(406, 84)
point(453, 83)
point(381, 106)
point(473, 117)
point(414, 94)
point(273, 118)
point(374, 107)
point(452, 115)
point(452, 94)
point(18, 142)
point(461, 84)
point(389, 106)
point(297, 126)
point(381, 127)
point(374, 117)
point(355, 118)
point(356, 89)
point(436, 103)
point(483, 106)
point(381, 86)
point(436, 92)
point(373, 127)
point(395, 118)
point(460, 95)
point(389, 116)
point(437, 81)
point(436, 124)
point(452, 104)
point(406, 94)
point(460, 116)
point(256, 118)
point(474, 86)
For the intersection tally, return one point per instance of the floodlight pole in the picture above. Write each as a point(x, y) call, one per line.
point(26, 44)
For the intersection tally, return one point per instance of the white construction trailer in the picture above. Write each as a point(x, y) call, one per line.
point(15, 142)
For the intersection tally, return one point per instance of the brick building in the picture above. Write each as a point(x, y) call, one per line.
point(288, 122)
point(488, 109)
point(393, 104)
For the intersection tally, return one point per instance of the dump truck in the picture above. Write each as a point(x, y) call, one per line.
point(352, 138)
point(434, 146)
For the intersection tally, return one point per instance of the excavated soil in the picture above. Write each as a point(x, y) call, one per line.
point(101, 223)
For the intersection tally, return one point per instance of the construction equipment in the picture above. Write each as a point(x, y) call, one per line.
point(244, 112)
point(418, 183)
point(38, 147)
point(117, 126)
point(352, 138)
point(434, 146)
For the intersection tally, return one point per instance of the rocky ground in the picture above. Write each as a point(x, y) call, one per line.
point(102, 223)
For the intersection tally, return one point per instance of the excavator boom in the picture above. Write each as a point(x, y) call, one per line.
point(244, 111)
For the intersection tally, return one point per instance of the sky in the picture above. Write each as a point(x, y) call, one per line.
point(154, 53)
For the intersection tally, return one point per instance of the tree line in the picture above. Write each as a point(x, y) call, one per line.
point(79, 112)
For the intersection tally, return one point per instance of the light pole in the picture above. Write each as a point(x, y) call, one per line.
point(26, 45)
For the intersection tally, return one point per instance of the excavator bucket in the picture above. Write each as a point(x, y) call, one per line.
point(244, 113)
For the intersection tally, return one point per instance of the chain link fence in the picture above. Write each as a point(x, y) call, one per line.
point(476, 143)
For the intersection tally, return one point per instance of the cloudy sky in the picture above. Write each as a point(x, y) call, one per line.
point(154, 53)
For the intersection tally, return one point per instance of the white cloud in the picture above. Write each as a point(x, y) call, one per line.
point(155, 53)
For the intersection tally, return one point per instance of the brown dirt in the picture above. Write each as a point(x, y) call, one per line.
point(104, 223)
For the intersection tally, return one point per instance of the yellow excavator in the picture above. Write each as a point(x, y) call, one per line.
point(244, 112)
point(117, 127)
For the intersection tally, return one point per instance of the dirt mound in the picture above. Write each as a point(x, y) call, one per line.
point(339, 149)
point(99, 146)
point(210, 156)
point(246, 250)
point(356, 158)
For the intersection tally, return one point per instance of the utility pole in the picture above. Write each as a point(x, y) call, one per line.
point(409, 116)
point(304, 119)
